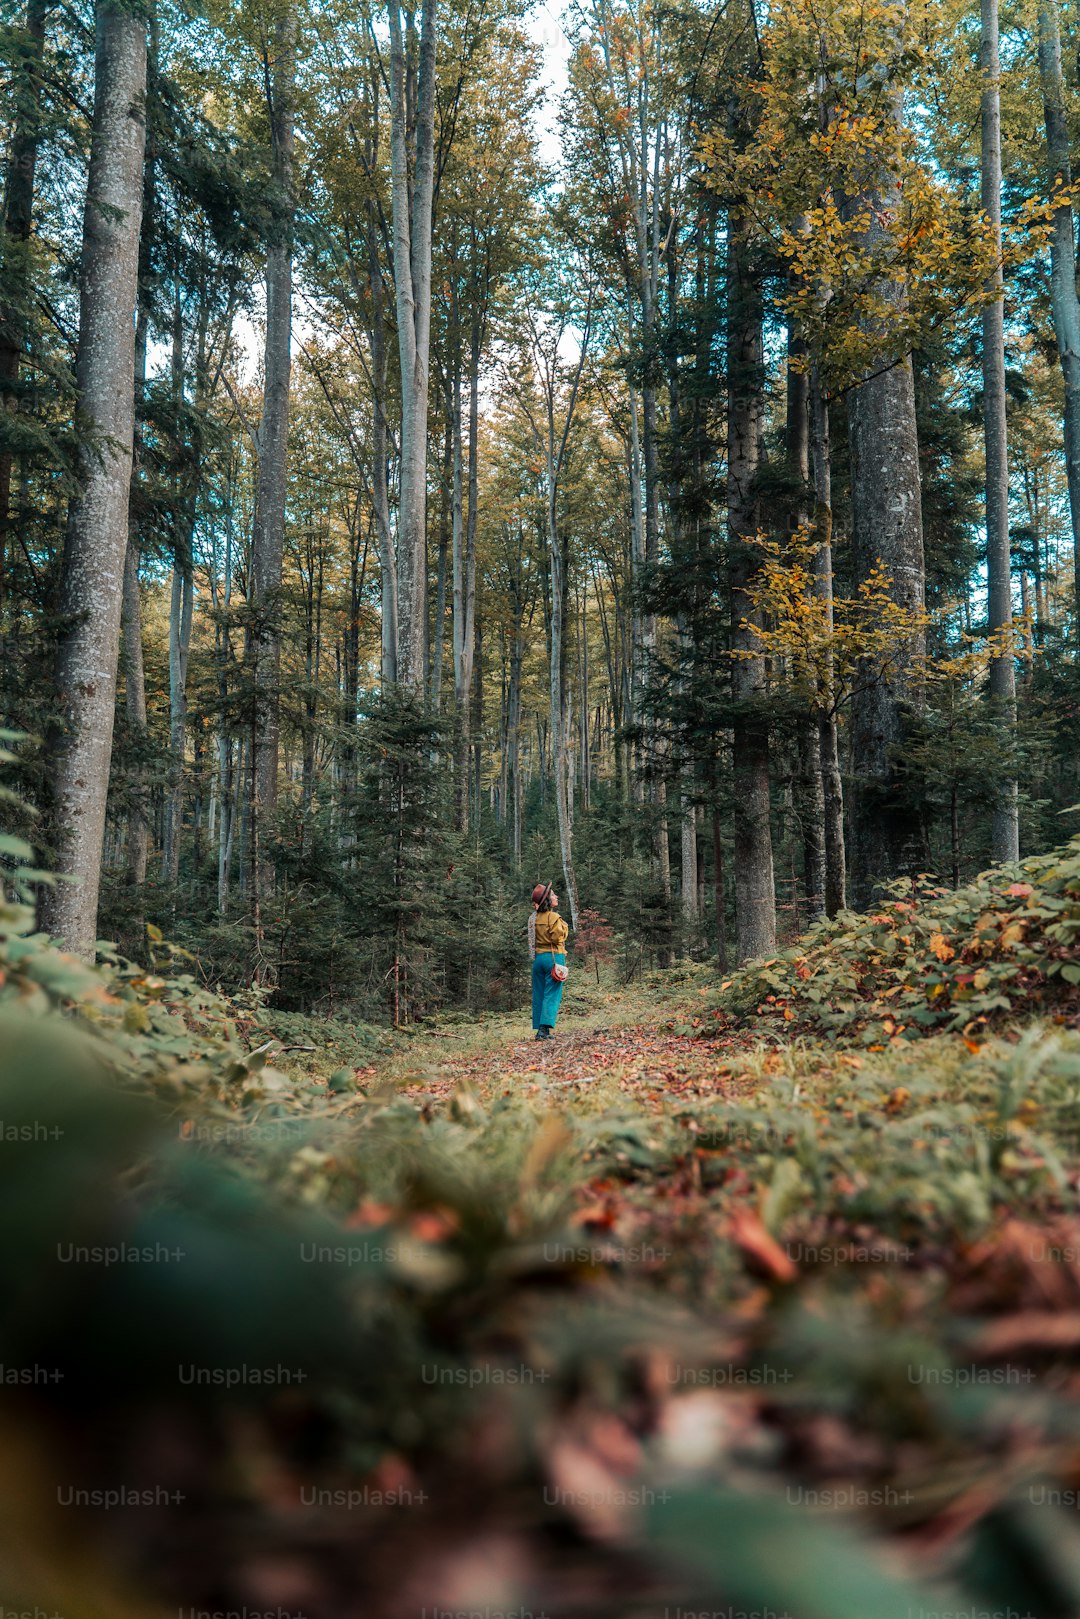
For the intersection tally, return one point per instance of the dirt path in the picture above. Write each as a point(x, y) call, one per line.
point(651, 1064)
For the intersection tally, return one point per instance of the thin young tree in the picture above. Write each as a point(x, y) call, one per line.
point(268, 535)
point(547, 331)
point(1005, 828)
point(755, 895)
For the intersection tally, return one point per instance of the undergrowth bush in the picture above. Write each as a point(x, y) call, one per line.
point(930, 957)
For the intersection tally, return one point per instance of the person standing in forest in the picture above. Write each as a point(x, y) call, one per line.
point(547, 946)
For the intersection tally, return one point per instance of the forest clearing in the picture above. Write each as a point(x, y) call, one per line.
point(539, 787)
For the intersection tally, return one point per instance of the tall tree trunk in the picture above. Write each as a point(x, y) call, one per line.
point(227, 772)
point(138, 826)
point(268, 538)
point(810, 797)
point(1005, 834)
point(181, 610)
point(380, 493)
point(181, 607)
point(91, 585)
point(445, 514)
point(465, 576)
point(886, 528)
point(689, 861)
point(560, 752)
point(1063, 293)
point(412, 214)
point(832, 782)
point(755, 898)
point(477, 725)
point(513, 730)
point(14, 234)
point(637, 571)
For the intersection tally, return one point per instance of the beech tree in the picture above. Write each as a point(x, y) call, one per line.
point(412, 136)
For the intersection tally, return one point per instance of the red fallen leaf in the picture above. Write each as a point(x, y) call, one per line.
point(600, 1215)
point(760, 1247)
point(1020, 890)
point(433, 1225)
point(370, 1213)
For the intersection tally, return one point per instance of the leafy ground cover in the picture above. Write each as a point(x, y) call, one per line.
point(1006, 945)
point(687, 1309)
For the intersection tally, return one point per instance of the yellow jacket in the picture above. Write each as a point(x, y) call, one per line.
point(551, 931)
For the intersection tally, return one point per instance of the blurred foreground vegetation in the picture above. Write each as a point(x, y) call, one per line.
point(687, 1312)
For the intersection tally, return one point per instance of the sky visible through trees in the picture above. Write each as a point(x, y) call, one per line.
point(451, 446)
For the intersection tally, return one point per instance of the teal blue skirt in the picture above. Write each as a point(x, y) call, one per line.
point(547, 991)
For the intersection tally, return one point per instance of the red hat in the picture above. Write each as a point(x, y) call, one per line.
point(539, 891)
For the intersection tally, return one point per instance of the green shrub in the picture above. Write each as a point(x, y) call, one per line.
point(931, 957)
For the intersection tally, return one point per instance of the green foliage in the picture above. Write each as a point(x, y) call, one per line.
point(932, 957)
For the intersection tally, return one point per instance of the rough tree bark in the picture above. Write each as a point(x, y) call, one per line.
point(887, 527)
point(1005, 828)
point(810, 797)
point(1063, 293)
point(91, 584)
point(412, 216)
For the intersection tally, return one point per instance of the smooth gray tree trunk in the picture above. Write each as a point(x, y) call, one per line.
point(380, 431)
point(91, 587)
point(464, 555)
point(755, 896)
point(412, 219)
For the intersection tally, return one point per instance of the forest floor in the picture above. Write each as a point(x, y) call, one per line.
point(632, 1045)
point(586, 1327)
